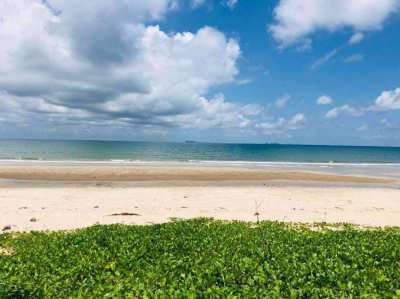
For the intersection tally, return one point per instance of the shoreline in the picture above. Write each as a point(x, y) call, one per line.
point(121, 173)
point(378, 170)
point(191, 162)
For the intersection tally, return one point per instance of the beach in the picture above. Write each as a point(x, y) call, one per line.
point(64, 196)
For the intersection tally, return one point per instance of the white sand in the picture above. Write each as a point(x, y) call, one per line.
point(75, 206)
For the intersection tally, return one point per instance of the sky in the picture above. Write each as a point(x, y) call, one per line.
point(250, 71)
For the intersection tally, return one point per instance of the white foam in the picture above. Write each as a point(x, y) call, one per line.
point(191, 162)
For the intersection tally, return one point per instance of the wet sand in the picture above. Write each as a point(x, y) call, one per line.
point(126, 173)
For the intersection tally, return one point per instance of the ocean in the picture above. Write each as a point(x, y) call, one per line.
point(46, 150)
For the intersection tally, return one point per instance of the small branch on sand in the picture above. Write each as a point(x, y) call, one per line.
point(125, 214)
point(6, 227)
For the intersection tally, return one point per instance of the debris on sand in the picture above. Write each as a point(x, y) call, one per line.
point(6, 227)
point(125, 214)
point(33, 219)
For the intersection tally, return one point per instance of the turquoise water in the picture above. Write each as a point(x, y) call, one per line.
point(147, 151)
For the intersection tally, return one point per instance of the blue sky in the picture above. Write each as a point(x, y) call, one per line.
point(289, 71)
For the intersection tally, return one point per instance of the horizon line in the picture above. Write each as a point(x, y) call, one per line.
point(192, 142)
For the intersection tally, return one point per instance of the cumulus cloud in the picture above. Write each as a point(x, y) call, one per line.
point(297, 19)
point(101, 63)
point(283, 125)
point(346, 110)
point(324, 100)
point(218, 113)
point(387, 100)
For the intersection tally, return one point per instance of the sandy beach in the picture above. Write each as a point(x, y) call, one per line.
point(57, 197)
point(175, 172)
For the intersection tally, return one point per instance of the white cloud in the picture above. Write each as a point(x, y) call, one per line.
point(324, 100)
point(218, 113)
point(243, 81)
point(297, 19)
point(197, 3)
point(99, 63)
point(356, 38)
point(354, 58)
point(282, 101)
point(283, 125)
point(345, 109)
point(305, 45)
point(363, 127)
point(387, 100)
point(385, 123)
point(232, 3)
point(326, 58)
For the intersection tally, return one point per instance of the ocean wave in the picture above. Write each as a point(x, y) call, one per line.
point(196, 162)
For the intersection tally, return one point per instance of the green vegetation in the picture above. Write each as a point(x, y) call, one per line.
point(202, 258)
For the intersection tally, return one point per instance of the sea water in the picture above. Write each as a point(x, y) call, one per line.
point(46, 150)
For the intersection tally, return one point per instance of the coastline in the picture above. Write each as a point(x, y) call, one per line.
point(174, 173)
point(198, 171)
